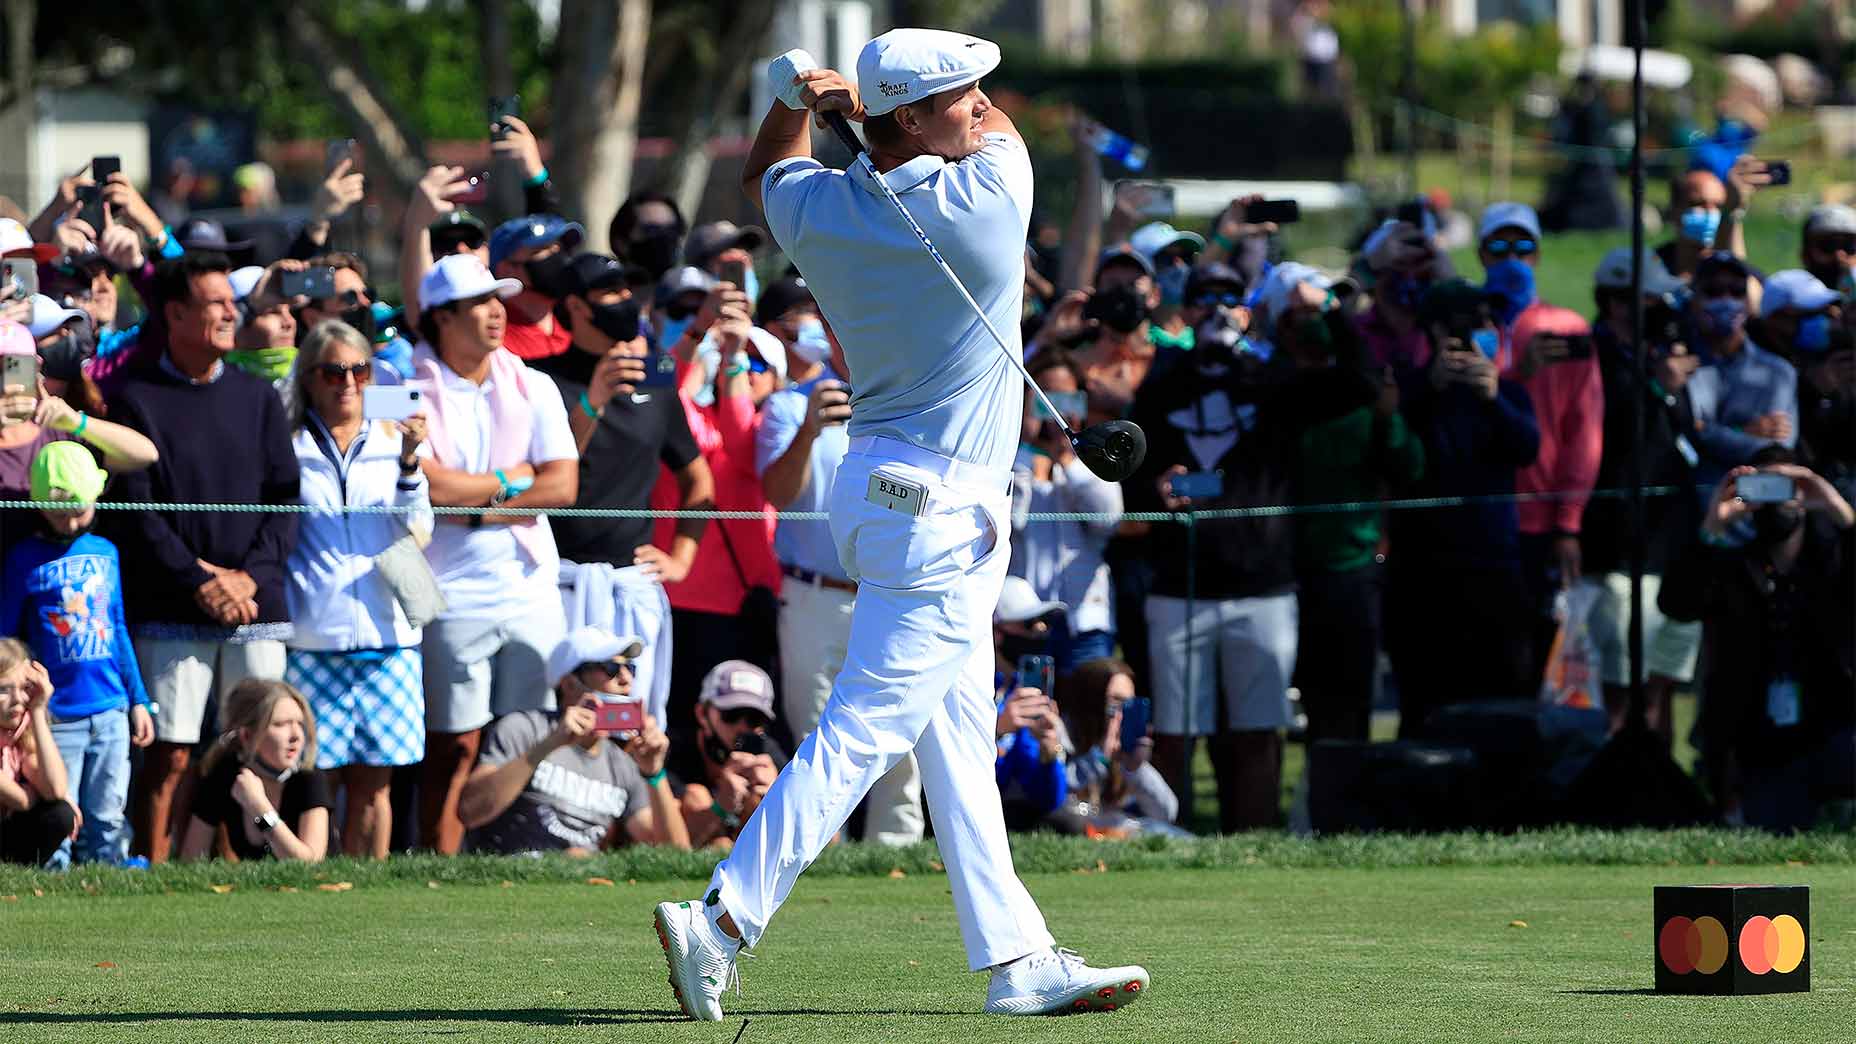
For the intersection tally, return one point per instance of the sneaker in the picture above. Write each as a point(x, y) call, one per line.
point(701, 959)
point(1057, 982)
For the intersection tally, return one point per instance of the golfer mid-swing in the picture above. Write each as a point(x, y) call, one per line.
point(920, 507)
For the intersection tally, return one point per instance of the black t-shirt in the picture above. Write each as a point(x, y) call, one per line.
point(645, 426)
point(213, 803)
point(684, 764)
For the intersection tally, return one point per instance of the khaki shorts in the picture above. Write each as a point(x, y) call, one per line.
point(1670, 647)
point(181, 675)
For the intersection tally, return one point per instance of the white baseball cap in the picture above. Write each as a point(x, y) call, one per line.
point(590, 645)
point(13, 236)
point(460, 277)
point(49, 315)
point(1156, 236)
point(904, 66)
point(1273, 298)
point(245, 280)
point(1831, 217)
point(737, 683)
point(1019, 603)
point(1613, 273)
point(1795, 288)
point(1508, 215)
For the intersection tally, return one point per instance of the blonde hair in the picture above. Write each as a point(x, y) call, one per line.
point(13, 653)
point(250, 706)
point(321, 337)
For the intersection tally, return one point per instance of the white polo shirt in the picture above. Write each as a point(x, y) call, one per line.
point(923, 369)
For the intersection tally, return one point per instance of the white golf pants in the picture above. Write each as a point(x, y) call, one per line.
point(917, 676)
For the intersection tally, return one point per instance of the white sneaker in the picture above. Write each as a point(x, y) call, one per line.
point(701, 958)
point(1057, 982)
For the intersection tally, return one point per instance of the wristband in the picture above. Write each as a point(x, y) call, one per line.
point(1224, 242)
point(540, 178)
point(83, 421)
point(586, 407)
point(655, 778)
point(735, 371)
point(170, 247)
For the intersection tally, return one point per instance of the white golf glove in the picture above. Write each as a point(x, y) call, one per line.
point(780, 73)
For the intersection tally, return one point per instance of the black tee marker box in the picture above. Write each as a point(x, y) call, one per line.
point(1732, 939)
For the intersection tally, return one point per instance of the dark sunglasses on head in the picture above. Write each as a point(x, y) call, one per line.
point(333, 373)
point(609, 668)
point(1517, 247)
point(1226, 299)
point(736, 715)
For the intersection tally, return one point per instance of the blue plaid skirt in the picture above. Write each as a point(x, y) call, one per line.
point(369, 705)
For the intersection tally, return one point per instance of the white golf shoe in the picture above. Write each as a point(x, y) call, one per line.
point(701, 958)
point(1057, 982)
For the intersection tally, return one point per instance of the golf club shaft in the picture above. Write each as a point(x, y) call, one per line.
point(842, 128)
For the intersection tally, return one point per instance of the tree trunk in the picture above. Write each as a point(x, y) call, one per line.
point(1503, 149)
point(394, 150)
point(746, 39)
point(21, 19)
point(597, 92)
point(499, 81)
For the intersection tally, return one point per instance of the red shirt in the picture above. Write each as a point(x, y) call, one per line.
point(531, 341)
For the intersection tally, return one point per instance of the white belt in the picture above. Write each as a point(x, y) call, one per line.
point(958, 472)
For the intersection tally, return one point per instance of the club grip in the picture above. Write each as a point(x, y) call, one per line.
point(842, 128)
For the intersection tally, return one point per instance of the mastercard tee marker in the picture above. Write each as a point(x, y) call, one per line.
point(1733, 939)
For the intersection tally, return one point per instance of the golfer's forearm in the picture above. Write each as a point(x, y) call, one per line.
point(783, 135)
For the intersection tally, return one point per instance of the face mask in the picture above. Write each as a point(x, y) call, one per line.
point(1404, 291)
point(361, 318)
point(1512, 280)
point(750, 285)
point(271, 364)
point(1722, 317)
point(64, 358)
point(1015, 647)
point(811, 343)
point(1120, 308)
point(1772, 523)
point(617, 321)
point(653, 248)
point(1813, 334)
point(1700, 224)
point(1173, 285)
point(544, 274)
point(670, 331)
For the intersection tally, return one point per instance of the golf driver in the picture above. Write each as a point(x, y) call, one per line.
point(1112, 449)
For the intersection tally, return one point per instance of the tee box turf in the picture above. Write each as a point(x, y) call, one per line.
point(1733, 939)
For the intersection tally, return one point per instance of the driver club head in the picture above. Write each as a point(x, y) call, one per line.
point(1112, 449)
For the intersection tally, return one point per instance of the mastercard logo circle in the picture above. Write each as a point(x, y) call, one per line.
point(1698, 945)
point(1774, 944)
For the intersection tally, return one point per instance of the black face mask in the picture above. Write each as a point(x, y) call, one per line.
point(617, 321)
point(361, 317)
point(64, 358)
point(1773, 523)
point(653, 248)
point(1013, 647)
point(545, 274)
point(1120, 308)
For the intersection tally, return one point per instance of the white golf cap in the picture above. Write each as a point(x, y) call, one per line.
point(49, 315)
point(1019, 603)
point(460, 277)
point(1273, 298)
point(244, 280)
point(590, 645)
point(1156, 236)
point(1795, 288)
point(904, 66)
point(13, 236)
point(1508, 215)
point(1834, 218)
point(1613, 273)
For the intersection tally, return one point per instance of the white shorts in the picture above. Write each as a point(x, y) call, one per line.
point(1244, 646)
point(479, 670)
point(1670, 647)
point(181, 675)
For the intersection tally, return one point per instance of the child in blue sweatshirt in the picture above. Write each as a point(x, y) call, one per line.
point(61, 593)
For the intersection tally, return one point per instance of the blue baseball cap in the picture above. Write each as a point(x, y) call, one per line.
point(533, 230)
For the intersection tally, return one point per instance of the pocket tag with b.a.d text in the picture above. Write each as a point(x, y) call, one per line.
point(897, 495)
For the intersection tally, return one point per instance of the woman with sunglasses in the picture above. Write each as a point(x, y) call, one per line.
point(354, 654)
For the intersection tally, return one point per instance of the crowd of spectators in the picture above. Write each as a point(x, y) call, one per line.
point(372, 673)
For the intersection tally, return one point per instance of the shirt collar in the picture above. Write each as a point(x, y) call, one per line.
point(903, 178)
point(212, 375)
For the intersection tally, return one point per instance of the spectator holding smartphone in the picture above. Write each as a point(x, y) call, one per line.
point(725, 765)
point(259, 794)
point(1778, 614)
point(354, 654)
point(1118, 780)
point(1399, 261)
point(1457, 626)
point(1829, 248)
point(37, 815)
point(554, 780)
point(62, 594)
point(1744, 397)
point(1808, 323)
point(1032, 766)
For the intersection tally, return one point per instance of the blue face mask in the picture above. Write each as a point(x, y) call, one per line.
point(1512, 280)
point(751, 286)
point(1813, 334)
point(670, 331)
point(1701, 225)
point(1721, 317)
point(1173, 285)
point(811, 344)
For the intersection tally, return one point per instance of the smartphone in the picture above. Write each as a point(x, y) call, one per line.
point(1281, 211)
point(501, 107)
point(394, 402)
point(1071, 406)
point(1761, 487)
point(1038, 672)
point(660, 370)
point(339, 149)
point(20, 371)
point(614, 715)
point(313, 283)
point(735, 272)
point(1199, 485)
point(21, 279)
point(90, 207)
point(1158, 200)
point(1781, 171)
point(1418, 212)
point(1136, 714)
point(1562, 349)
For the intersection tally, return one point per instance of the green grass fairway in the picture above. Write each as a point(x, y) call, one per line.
point(1257, 953)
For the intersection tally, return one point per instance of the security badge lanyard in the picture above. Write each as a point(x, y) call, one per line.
point(1783, 704)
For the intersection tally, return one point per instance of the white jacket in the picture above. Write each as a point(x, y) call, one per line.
point(337, 600)
point(1063, 560)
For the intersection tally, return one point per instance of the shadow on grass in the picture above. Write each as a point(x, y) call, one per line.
point(520, 1016)
point(1620, 992)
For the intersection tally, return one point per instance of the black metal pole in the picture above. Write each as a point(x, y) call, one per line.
point(1640, 357)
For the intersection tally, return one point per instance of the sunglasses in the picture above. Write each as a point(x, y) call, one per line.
point(1735, 289)
point(1517, 247)
point(333, 373)
point(756, 364)
point(736, 715)
point(609, 668)
point(1224, 300)
point(1834, 244)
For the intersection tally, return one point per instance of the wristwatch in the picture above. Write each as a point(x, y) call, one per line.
point(266, 822)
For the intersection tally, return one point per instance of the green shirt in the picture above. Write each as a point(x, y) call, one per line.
point(1346, 459)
